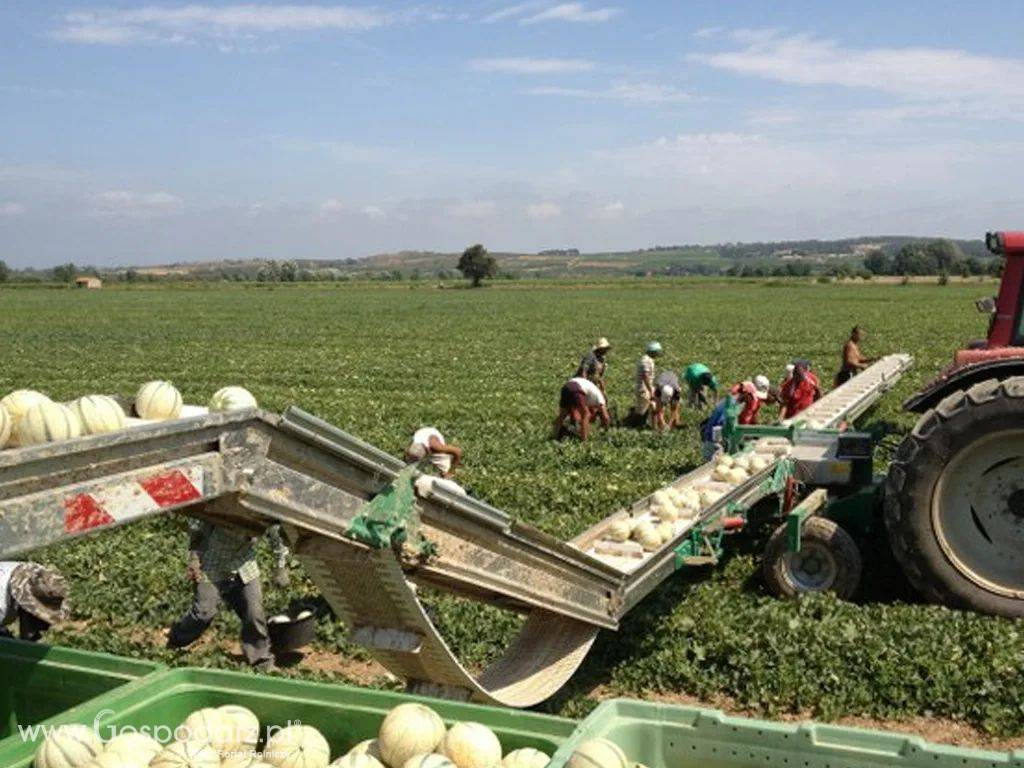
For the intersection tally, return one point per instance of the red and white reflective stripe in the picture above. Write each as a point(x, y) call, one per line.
point(132, 498)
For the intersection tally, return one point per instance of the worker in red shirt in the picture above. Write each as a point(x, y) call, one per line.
point(798, 391)
point(751, 397)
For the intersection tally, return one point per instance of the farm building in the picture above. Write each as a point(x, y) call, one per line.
point(88, 282)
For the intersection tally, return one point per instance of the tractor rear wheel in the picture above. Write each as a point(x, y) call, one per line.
point(828, 561)
point(954, 502)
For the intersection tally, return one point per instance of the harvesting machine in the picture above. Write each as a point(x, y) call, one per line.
point(370, 530)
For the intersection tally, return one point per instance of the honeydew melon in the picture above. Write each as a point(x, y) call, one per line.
point(6, 426)
point(721, 472)
point(19, 401)
point(360, 760)
point(298, 746)
point(661, 498)
point(232, 399)
point(158, 401)
point(47, 422)
point(758, 464)
point(69, 746)
point(369, 747)
point(666, 531)
point(239, 759)
point(471, 745)
point(135, 744)
point(736, 475)
point(243, 730)
point(690, 498)
point(742, 461)
point(646, 535)
point(528, 757)
point(187, 754)
point(709, 496)
point(598, 753)
point(108, 759)
point(668, 513)
point(209, 725)
point(726, 459)
point(433, 760)
point(408, 730)
point(620, 528)
point(98, 414)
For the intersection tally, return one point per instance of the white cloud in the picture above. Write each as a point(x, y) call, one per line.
point(472, 209)
point(332, 205)
point(637, 93)
point(510, 12)
point(531, 66)
point(543, 211)
point(706, 33)
point(612, 210)
point(374, 213)
point(915, 73)
point(573, 12)
point(11, 209)
point(128, 204)
point(187, 23)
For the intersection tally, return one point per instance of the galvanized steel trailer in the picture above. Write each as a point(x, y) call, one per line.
point(368, 529)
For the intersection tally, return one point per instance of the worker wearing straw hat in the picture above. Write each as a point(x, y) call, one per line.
point(593, 365)
point(34, 595)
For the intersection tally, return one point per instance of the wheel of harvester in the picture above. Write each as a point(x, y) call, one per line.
point(828, 561)
point(954, 503)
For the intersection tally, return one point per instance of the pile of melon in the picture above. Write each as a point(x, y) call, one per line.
point(410, 736)
point(28, 417)
point(600, 753)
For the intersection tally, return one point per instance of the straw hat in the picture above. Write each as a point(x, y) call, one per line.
point(40, 591)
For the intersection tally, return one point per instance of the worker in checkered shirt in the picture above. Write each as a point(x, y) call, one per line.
point(222, 565)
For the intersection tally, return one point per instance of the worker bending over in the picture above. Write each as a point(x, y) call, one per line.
point(643, 390)
point(699, 381)
point(222, 566)
point(32, 595)
point(853, 361)
point(428, 442)
point(742, 403)
point(579, 402)
point(593, 365)
point(666, 403)
point(798, 391)
point(751, 395)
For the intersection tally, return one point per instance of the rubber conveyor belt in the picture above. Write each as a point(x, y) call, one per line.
point(250, 468)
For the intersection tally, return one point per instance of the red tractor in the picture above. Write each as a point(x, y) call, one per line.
point(955, 491)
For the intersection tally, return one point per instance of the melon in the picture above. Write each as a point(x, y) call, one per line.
point(598, 753)
point(369, 747)
point(726, 459)
point(98, 414)
point(527, 757)
point(758, 464)
point(620, 528)
point(187, 754)
point(408, 730)
point(232, 399)
point(432, 760)
point(122, 759)
point(742, 461)
point(6, 426)
point(666, 531)
point(708, 497)
point(209, 725)
point(158, 400)
point(134, 744)
point(68, 746)
point(668, 513)
point(359, 760)
point(239, 759)
point(471, 745)
point(690, 499)
point(47, 422)
point(244, 727)
point(735, 476)
point(721, 472)
point(19, 401)
point(646, 536)
point(661, 498)
point(298, 746)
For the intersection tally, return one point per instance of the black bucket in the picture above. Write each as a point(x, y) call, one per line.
point(293, 634)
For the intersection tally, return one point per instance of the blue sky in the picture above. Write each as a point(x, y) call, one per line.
point(146, 133)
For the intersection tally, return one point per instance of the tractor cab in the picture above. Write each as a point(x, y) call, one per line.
point(1001, 353)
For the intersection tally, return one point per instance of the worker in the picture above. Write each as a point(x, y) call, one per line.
point(32, 595)
point(579, 402)
point(699, 380)
point(798, 391)
point(668, 397)
point(853, 361)
point(222, 566)
point(643, 390)
point(593, 365)
point(428, 442)
point(751, 395)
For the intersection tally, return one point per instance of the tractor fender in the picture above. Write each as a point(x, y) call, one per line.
point(962, 377)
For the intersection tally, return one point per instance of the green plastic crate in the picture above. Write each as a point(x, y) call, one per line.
point(666, 736)
point(344, 714)
point(39, 682)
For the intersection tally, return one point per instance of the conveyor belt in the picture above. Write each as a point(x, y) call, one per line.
point(249, 468)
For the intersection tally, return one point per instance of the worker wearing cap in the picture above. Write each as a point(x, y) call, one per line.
point(222, 566)
point(668, 395)
point(643, 390)
point(853, 361)
point(699, 381)
point(751, 395)
point(579, 402)
point(33, 595)
point(428, 442)
point(799, 391)
point(593, 365)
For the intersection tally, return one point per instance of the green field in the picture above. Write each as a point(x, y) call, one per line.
point(485, 367)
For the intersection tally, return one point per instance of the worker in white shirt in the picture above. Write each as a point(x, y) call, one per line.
point(33, 595)
point(579, 402)
point(428, 442)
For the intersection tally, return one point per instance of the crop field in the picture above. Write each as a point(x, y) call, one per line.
point(485, 366)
